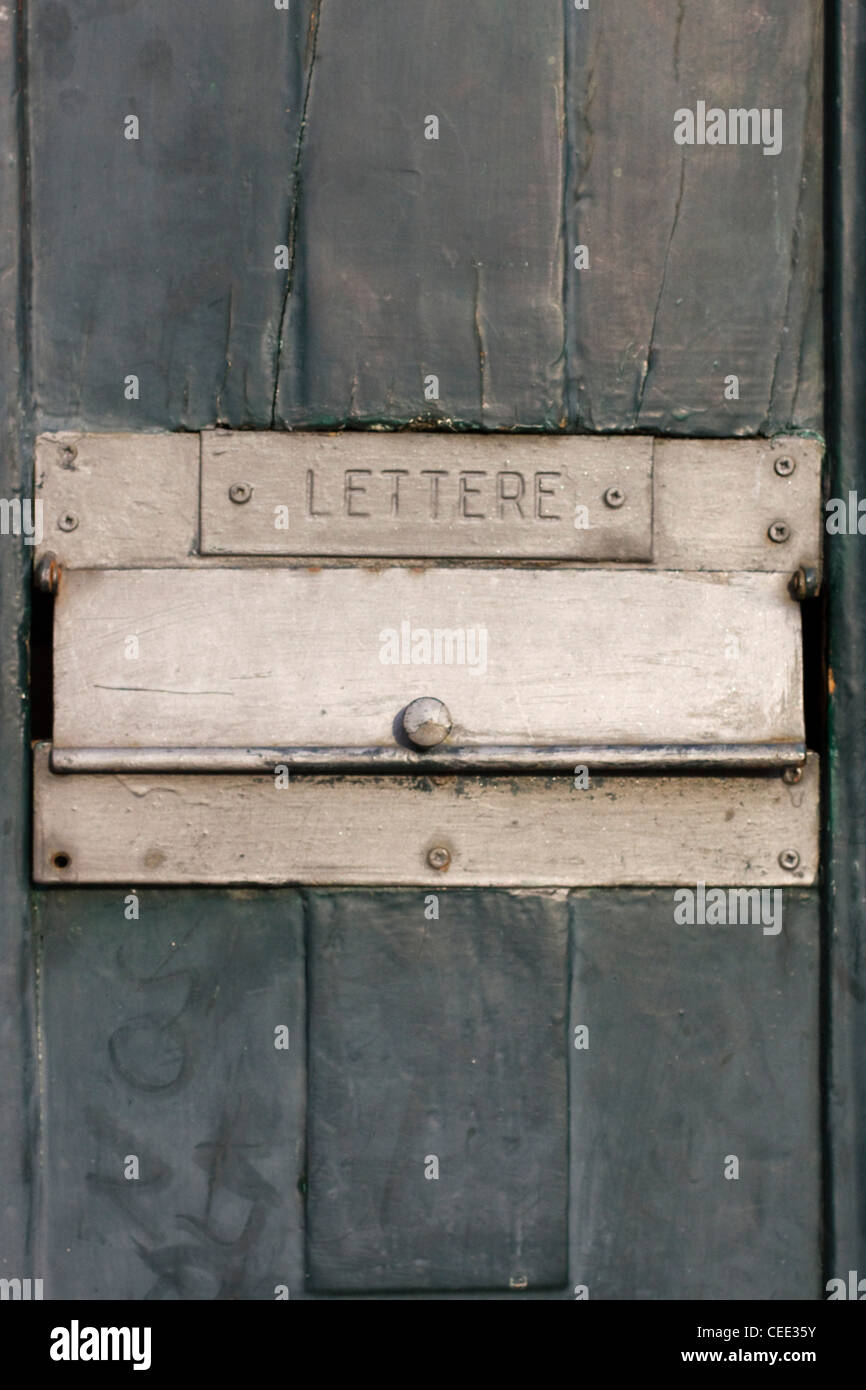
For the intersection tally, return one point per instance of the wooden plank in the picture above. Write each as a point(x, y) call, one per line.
point(173, 277)
point(331, 658)
point(509, 832)
point(158, 1042)
point(401, 494)
point(420, 257)
point(705, 260)
point(20, 1256)
point(703, 1044)
point(415, 1056)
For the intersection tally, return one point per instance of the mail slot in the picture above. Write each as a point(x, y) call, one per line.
point(370, 630)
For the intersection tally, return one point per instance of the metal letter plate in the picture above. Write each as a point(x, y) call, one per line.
point(536, 666)
point(430, 495)
point(521, 832)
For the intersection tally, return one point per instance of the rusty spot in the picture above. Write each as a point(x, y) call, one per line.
point(831, 681)
point(154, 858)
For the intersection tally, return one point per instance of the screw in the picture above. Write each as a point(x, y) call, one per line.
point(46, 576)
point(789, 859)
point(439, 858)
point(614, 497)
point(784, 467)
point(792, 775)
point(68, 521)
point(240, 493)
point(804, 583)
point(68, 456)
point(426, 722)
point(779, 532)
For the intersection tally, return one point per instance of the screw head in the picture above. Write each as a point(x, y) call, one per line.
point(779, 532)
point(426, 722)
point(614, 497)
point(792, 775)
point(804, 583)
point(439, 858)
point(784, 467)
point(68, 456)
point(240, 493)
point(68, 521)
point(789, 859)
point(47, 573)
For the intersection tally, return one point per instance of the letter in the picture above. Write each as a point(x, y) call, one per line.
point(581, 4)
point(732, 1167)
point(311, 509)
point(281, 1292)
point(717, 905)
point(396, 474)
point(838, 1287)
point(684, 121)
point(431, 907)
point(717, 127)
point(431, 127)
point(88, 1344)
point(130, 907)
point(476, 651)
point(861, 517)
point(581, 1292)
point(281, 1037)
point(281, 771)
point(10, 508)
point(350, 488)
point(421, 647)
point(744, 906)
point(110, 1341)
point(281, 4)
point(131, 387)
point(701, 913)
point(837, 516)
point(732, 388)
point(540, 493)
point(467, 491)
point(281, 517)
point(431, 388)
point(434, 474)
point(581, 518)
point(281, 257)
point(740, 123)
point(130, 647)
point(701, 123)
point(581, 1037)
point(581, 778)
point(581, 258)
point(431, 1167)
point(130, 1168)
point(773, 922)
point(772, 141)
point(389, 650)
point(685, 900)
point(30, 524)
point(444, 642)
point(141, 1348)
point(130, 127)
point(10, 1288)
point(59, 1350)
point(513, 497)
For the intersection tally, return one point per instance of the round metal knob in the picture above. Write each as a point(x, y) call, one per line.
point(426, 722)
